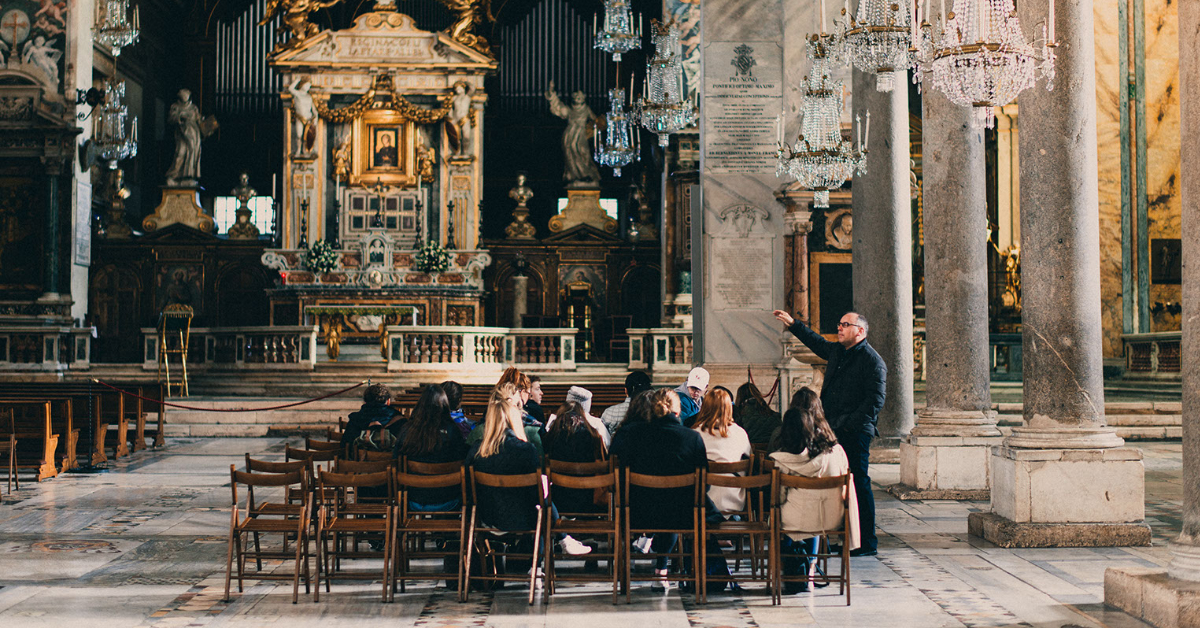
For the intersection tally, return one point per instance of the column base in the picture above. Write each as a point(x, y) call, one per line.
point(1153, 596)
point(1006, 533)
point(957, 467)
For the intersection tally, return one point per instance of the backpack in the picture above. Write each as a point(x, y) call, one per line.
point(375, 439)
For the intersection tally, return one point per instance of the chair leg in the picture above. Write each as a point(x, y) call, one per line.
point(533, 568)
point(464, 583)
point(241, 561)
point(296, 574)
point(229, 563)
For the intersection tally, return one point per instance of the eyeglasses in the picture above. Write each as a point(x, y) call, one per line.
point(844, 324)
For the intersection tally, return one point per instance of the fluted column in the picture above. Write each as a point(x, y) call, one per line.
point(1063, 478)
point(883, 249)
point(947, 454)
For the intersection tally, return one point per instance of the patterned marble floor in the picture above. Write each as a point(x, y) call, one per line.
point(142, 544)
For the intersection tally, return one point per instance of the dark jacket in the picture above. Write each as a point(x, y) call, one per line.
point(661, 447)
point(508, 508)
point(450, 447)
point(759, 421)
point(369, 413)
point(855, 382)
point(577, 446)
point(534, 410)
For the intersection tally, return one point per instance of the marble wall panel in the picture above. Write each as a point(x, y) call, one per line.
point(1108, 136)
point(1162, 142)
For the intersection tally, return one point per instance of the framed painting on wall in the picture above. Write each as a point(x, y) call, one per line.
point(383, 150)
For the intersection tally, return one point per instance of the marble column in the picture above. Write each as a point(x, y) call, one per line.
point(883, 249)
point(53, 235)
point(520, 300)
point(1063, 478)
point(1171, 598)
point(946, 454)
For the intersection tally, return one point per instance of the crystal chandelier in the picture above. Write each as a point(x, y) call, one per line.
point(108, 130)
point(617, 145)
point(979, 57)
point(116, 25)
point(821, 160)
point(663, 110)
point(877, 40)
point(620, 33)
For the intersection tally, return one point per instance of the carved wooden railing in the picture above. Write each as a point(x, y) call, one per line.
point(260, 348)
point(1154, 355)
point(51, 348)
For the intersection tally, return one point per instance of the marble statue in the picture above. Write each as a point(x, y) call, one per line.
point(579, 169)
point(41, 54)
point(243, 228)
point(304, 116)
point(458, 123)
point(190, 129)
point(520, 228)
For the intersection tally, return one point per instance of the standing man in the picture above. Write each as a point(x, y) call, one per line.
point(853, 393)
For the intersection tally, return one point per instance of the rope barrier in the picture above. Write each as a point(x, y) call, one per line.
point(179, 405)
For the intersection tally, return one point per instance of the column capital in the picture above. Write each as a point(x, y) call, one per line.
point(800, 222)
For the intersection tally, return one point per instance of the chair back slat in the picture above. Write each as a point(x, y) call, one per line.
point(579, 468)
point(813, 484)
point(741, 466)
point(322, 445)
point(414, 480)
point(315, 455)
point(604, 480)
point(493, 480)
point(431, 468)
point(361, 466)
point(354, 480)
point(266, 466)
point(762, 480)
point(661, 481)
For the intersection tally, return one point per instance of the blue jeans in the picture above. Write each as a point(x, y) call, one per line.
point(857, 444)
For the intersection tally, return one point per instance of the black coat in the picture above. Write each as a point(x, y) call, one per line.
point(855, 382)
point(450, 447)
point(577, 446)
point(369, 413)
point(660, 447)
point(508, 508)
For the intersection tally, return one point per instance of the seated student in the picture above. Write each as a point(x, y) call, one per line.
point(724, 441)
point(533, 433)
point(583, 397)
point(522, 384)
point(570, 438)
point(635, 383)
point(754, 415)
point(661, 446)
point(691, 395)
point(430, 435)
point(376, 412)
point(454, 394)
point(809, 448)
point(533, 405)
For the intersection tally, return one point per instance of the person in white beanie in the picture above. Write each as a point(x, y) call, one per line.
point(691, 392)
point(583, 397)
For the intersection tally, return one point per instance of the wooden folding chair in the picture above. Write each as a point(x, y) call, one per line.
point(750, 528)
point(245, 521)
point(605, 524)
point(686, 555)
point(420, 526)
point(479, 532)
point(831, 491)
point(323, 445)
point(294, 496)
point(10, 448)
point(345, 516)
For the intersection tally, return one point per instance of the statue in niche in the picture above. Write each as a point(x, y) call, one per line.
point(243, 228)
point(468, 15)
point(41, 54)
point(341, 159)
point(295, 17)
point(304, 117)
point(458, 123)
point(579, 169)
point(190, 129)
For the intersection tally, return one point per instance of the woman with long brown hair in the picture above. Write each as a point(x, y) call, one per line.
point(724, 441)
point(430, 435)
point(809, 448)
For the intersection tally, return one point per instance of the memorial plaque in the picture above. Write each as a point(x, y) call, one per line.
point(743, 99)
point(740, 271)
point(83, 223)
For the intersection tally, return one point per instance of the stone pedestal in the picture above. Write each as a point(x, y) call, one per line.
point(583, 208)
point(179, 205)
point(1153, 596)
point(947, 456)
point(1064, 498)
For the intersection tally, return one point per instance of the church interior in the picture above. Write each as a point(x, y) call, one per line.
point(220, 224)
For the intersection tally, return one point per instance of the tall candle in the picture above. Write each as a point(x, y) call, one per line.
point(823, 17)
point(980, 8)
point(858, 130)
point(1050, 23)
point(913, 25)
point(273, 185)
point(846, 10)
point(593, 24)
point(943, 15)
point(867, 135)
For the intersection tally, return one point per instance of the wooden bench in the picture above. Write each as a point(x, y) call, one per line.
point(37, 442)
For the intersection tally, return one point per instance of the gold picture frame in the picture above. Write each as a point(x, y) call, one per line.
point(384, 149)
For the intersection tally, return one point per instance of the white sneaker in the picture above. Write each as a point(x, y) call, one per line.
point(643, 544)
point(573, 547)
point(661, 584)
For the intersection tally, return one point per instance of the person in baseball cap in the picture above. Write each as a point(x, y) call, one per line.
point(691, 392)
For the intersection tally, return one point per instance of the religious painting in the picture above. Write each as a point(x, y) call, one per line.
point(33, 36)
point(383, 150)
point(181, 284)
point(1166, 261)
point(20, 235)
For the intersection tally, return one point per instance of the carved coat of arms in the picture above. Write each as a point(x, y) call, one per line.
point(744, 60)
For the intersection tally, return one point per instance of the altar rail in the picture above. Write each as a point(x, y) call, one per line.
point(433, 347)
point(1154, 355)
point(660, 349)
point(45, 348)
point(257, 348)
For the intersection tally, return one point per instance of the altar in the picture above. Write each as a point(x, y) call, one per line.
point(382, 176)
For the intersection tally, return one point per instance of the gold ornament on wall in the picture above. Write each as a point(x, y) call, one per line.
point(295, 18)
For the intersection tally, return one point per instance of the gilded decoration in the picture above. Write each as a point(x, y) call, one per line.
point(469, 15)
point(387, 99)
point(295, 18)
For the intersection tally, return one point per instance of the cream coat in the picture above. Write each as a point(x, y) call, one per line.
point(811, 512)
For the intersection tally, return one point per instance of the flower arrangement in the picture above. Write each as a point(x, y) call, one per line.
point(432, 258)
point(321, 257)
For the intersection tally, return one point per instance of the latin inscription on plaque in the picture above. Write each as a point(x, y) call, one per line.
point(741, 273)
point(389, 48)
point(743, 98)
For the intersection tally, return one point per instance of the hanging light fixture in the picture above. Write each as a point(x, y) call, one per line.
point(617, 145)
point(821, 160)
point(980, 58)
point(877, 39)
point(620, 34)
point(663, 110)
point(117, 24)
point(109, 128)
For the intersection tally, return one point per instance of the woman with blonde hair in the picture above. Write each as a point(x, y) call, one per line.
point(724, 441)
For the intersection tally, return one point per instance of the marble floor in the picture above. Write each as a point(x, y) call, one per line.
point(143, 544)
